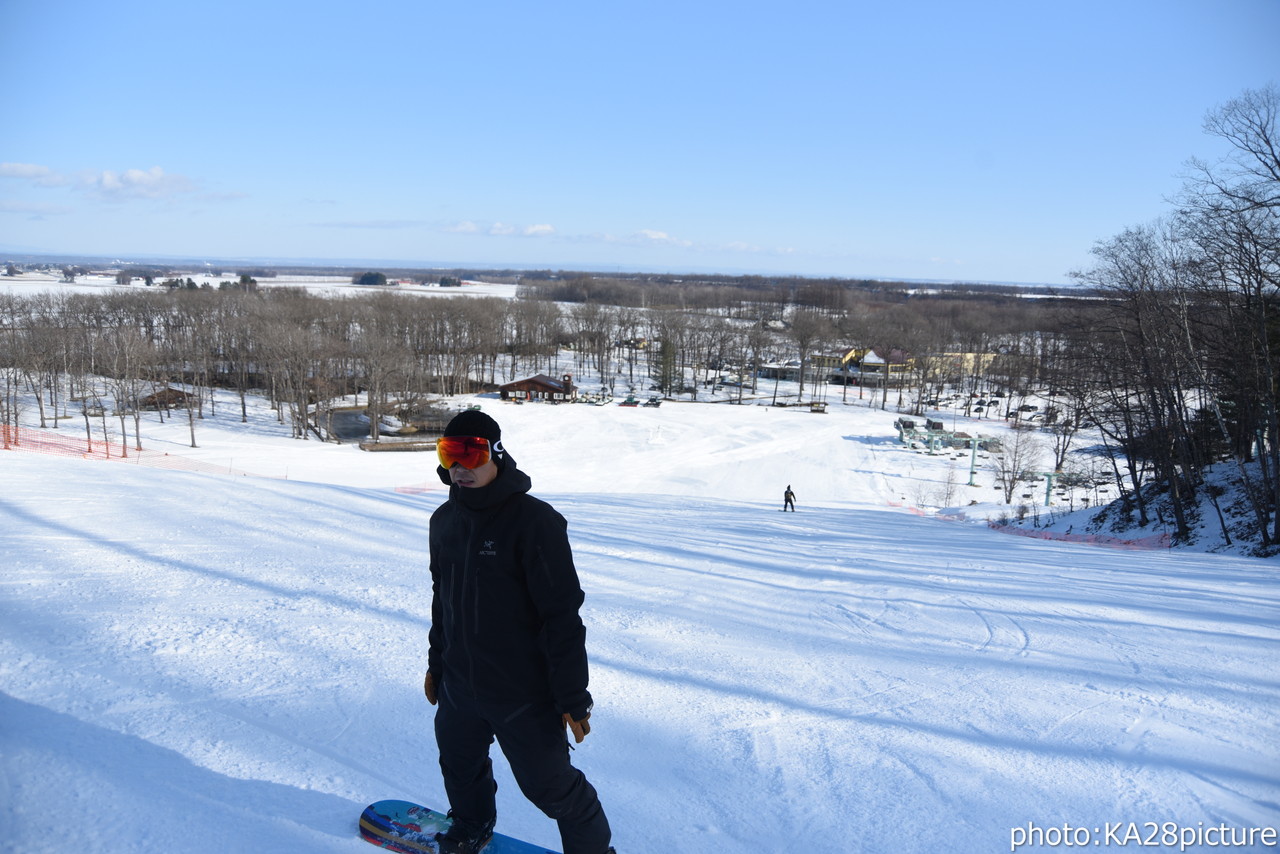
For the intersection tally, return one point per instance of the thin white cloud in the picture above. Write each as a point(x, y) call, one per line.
point(661, 237)
point(231, 196)
point(374, 224)
point(108, 184)
point(37, 210)
point(644, 237)
point(498, 229)
point(652, 238)
point(41, 176)
point(153, 183)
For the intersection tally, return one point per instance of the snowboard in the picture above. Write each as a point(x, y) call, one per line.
point(411, 829)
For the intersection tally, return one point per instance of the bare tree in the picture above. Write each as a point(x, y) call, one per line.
point(1231, 211)
point(379, 352)
point(1018, 461)
point(131, 358)
point(807, 327)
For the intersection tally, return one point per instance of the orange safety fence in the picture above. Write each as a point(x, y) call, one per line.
point(73, 443)
point(62, 442)
point(1155, 541)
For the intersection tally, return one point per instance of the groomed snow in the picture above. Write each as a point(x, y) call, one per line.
point(212, 662)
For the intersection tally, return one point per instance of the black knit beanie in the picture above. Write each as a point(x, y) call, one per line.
point(473, 422)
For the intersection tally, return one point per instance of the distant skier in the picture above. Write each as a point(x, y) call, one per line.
point(788, 500)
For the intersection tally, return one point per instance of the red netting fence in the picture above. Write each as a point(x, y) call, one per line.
point(73, 443)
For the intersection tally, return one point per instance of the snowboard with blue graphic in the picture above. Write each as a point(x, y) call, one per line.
point(411, 829)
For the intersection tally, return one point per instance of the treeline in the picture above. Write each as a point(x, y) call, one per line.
point(1181, 370)
point(303, 351)
point(735, 292)
point(302, 348)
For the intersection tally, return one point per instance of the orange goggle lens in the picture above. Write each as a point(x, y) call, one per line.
point(467, 451)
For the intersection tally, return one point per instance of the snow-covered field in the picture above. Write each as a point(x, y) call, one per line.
point(213, 662)
point(36, 282)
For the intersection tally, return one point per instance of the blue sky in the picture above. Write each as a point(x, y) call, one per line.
point(981, 141)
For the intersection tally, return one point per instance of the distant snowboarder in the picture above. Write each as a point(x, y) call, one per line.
point(788, 500)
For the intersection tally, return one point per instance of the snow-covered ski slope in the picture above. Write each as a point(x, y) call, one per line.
point(214, 663)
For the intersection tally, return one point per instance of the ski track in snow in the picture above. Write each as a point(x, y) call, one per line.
point(212, 663)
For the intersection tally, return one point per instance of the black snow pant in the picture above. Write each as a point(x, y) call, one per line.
point(532, 737)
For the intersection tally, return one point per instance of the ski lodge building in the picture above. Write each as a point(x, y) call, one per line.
point(541, 387)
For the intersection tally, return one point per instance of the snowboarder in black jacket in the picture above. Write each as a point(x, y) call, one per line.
point(508, 654)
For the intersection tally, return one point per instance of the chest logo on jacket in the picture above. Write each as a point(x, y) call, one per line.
point(488, 548)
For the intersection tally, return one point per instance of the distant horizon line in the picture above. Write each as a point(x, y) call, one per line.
point(401, 264)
